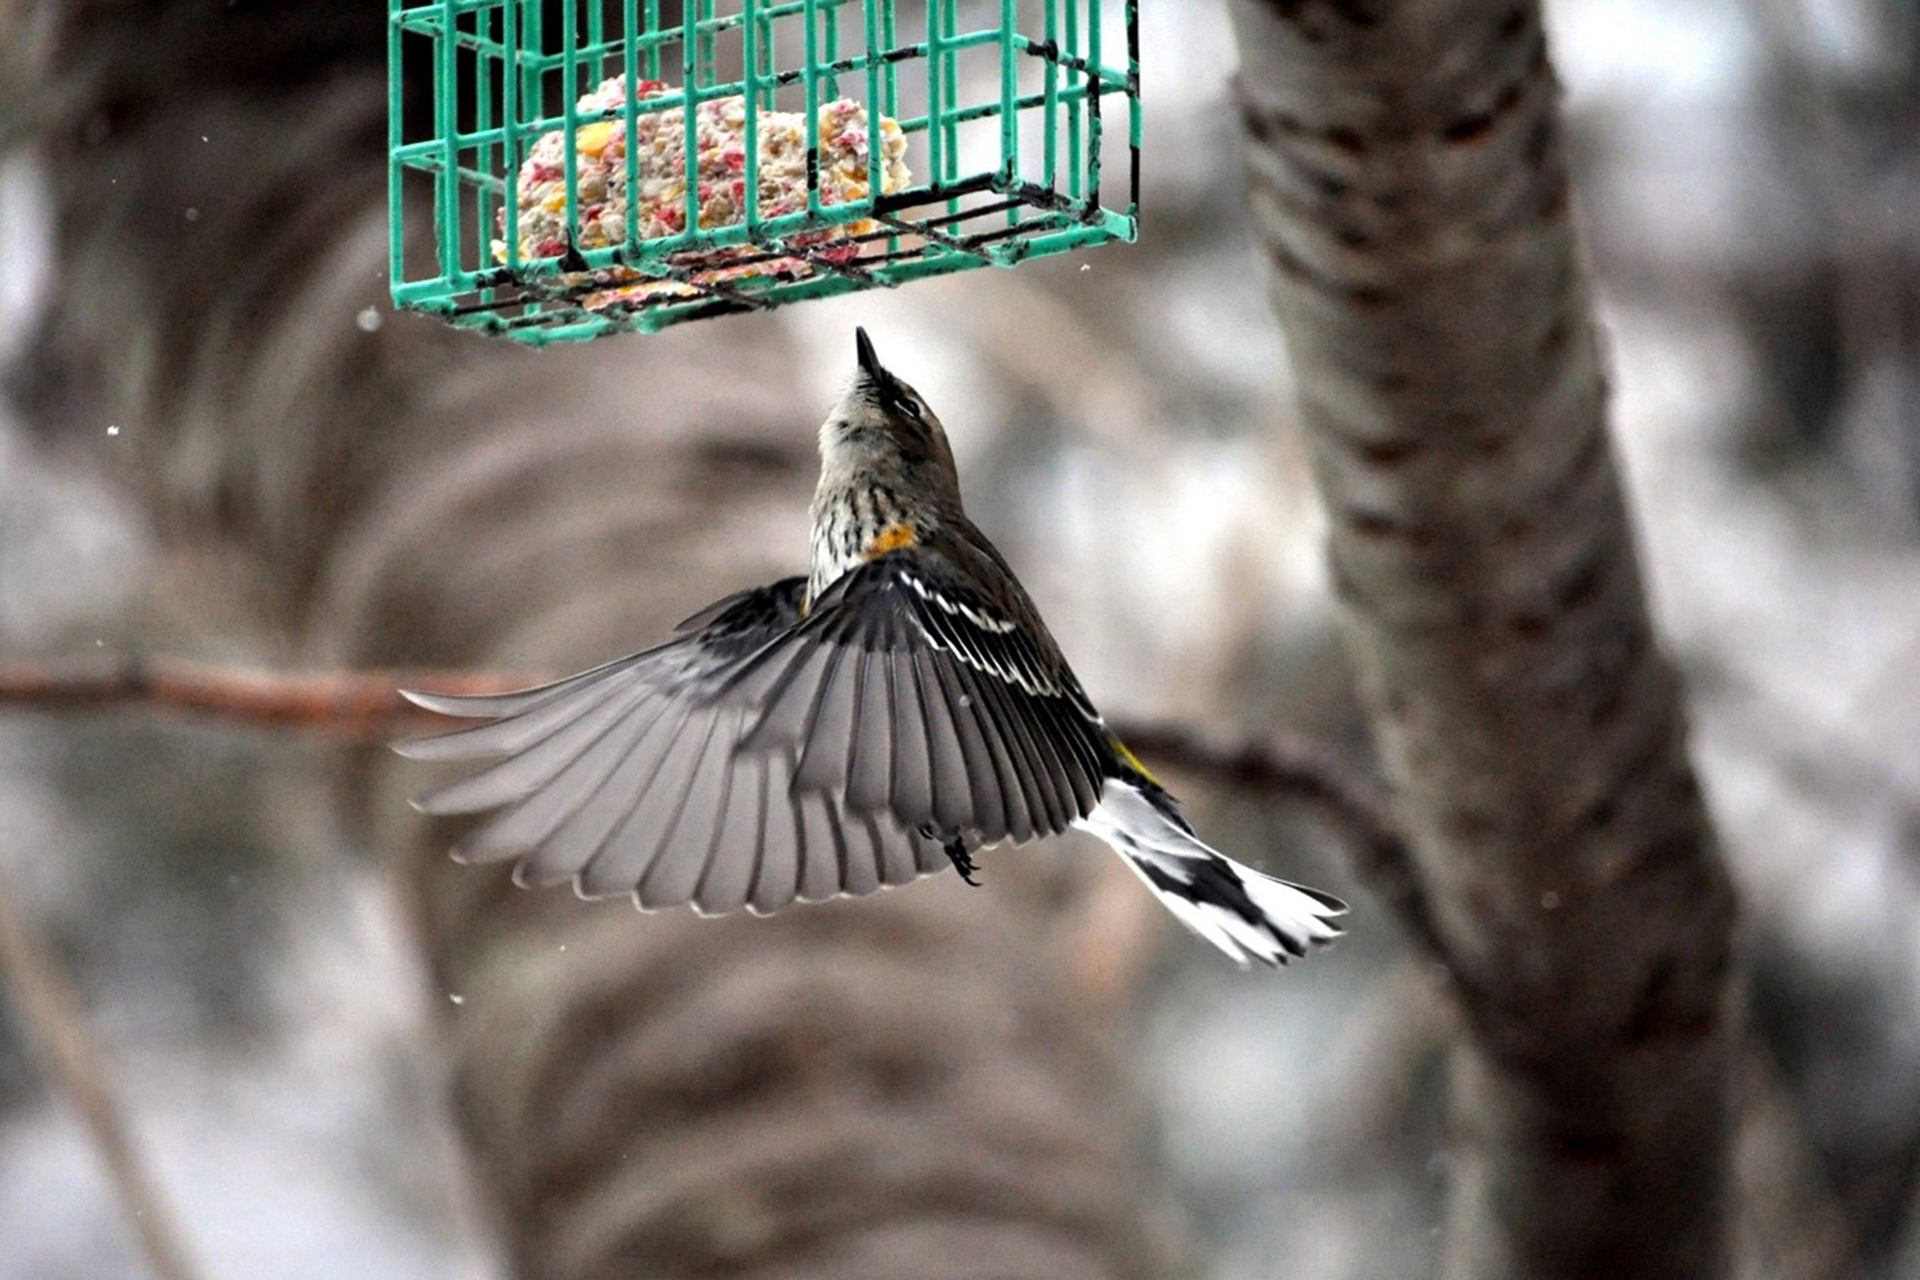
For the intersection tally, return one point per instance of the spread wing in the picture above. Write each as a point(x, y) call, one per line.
point(762, 757)
point(905, 692)
point(629, 778)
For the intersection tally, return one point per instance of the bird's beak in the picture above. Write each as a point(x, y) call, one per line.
point(869, 362)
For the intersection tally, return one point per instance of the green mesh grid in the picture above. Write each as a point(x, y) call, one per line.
point(1015, 114)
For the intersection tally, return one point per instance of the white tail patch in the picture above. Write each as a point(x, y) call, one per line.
point(1248, 915)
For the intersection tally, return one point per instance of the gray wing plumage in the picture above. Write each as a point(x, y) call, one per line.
point(906, 693)
point(762, 757)
point(629, 778)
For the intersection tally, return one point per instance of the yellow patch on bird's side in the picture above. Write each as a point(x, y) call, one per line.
point(1134, 762)
point(893, 538)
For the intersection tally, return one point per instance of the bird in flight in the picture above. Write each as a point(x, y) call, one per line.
point(886, 716)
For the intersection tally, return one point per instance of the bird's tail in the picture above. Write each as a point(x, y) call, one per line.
point(1248, 915)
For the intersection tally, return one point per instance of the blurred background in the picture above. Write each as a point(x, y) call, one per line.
point(1747, 176)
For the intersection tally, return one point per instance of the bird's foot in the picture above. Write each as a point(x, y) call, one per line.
point(962, 860)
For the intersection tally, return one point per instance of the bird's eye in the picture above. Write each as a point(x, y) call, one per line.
point(908, 405)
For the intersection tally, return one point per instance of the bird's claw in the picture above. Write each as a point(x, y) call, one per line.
point(962, 860)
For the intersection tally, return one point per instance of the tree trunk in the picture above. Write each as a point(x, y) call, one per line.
point(1410, 196)
point(925, 1083)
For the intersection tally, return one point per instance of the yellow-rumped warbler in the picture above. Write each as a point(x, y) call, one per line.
point(886, 716)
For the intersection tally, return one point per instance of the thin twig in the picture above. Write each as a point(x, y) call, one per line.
point(50, 1016)
point(1354, 801)
point(359, 706)
point(364, 706)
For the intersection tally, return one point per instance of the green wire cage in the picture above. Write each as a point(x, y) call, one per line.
point(593, 166)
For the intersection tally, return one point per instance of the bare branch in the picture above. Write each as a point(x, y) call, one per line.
point(50, 1016)
point(1284, 767)
point(354, 705)
point(365, 706)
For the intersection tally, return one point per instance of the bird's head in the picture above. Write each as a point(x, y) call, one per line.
point(883, 424)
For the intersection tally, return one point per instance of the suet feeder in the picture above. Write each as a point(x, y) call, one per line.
point(593, 166)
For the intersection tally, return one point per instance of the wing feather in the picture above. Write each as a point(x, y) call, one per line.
point(1025, 755)
point(520, 731)
point(784, 683)
point(518, 702)
point(776, 880)
point(822, 855)
point(648, 825)
point(1049, 757)
point(1069, 793)
point(563, 853)
point(862, 870)
point(912, 769)
point(959, 789)
point(894, 851)
point(825, 743)
point(1070, 734)
point(518, 776)
point(986, 808)
point(531, 822)
point(975, 705)
point(762, 757)
point(687, 845)
point(870, 764)
point(737, 841)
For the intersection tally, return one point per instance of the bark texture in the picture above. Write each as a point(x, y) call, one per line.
point(924, 1084)
point(1410, 196)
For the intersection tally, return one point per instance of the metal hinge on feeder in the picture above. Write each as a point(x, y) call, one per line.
point(593, 166)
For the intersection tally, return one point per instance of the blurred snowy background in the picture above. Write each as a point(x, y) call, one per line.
point(1749, 180)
